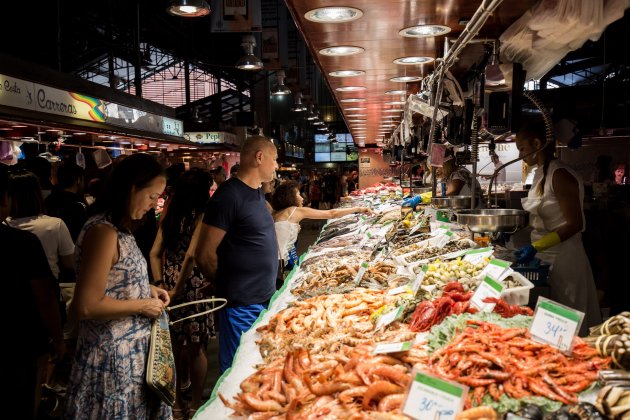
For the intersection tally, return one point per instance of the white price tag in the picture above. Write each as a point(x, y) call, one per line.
point(415, 285)
point(362, 267)
point(392, 347)
point(475, 256)
point(365, 239)
point(496, 269)
point(440, 230)
point(443, 239)
point(399, 290)
point(415, 227)
point(487, 288)
point(555, 324)
point(383, 230)
point(430, 397)
point(388, 318)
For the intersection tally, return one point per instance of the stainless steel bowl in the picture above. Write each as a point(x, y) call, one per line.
point(493, 220)
point(455, 202)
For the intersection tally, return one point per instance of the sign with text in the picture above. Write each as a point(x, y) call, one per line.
point(487, 288)
point(210, 137)
point(430, 397)
point(383, 348)
point(555, 324)
point(388, 318)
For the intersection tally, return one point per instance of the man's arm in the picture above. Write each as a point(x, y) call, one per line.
point(206, 255)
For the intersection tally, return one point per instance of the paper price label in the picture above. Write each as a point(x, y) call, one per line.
point(439, 230)
point(487, 288)
point(417, 282)
point(415, 227)
point(475, 256)
point(388, 318)
point(443, 239)
point(399, 290)
point(362, 267)
point(555, 324)
point(496, 269)
point(392, 347)
point(430, 397)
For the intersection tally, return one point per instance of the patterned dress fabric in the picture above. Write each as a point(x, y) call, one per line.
point(108, 375)
point(198, 329)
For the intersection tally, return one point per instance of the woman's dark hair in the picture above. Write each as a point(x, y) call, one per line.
point(284, 195)
point(137, 170)
point(192, 191)
point(26, 195)
point(532, 129)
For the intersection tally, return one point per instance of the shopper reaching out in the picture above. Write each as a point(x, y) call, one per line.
point(288, 213)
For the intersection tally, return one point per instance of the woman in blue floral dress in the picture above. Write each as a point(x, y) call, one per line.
point(115, 301)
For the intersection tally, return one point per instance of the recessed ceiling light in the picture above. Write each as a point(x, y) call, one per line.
point(406, 79)
point(395, 103)
point(79, 133)
point(357, 115)
point(350, 88)
point(19, 126)
point(346, 73)
point(333, 14)
point(341, 50)
point(352, 100)
point(356, 121)
point(396, 92)
point(356, 109)
point(408, 61)
point(392, 110)
point(424, 31)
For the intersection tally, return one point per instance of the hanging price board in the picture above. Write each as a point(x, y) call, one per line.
point(555, 324)
point(383, 348)
point(388, 318)
point(487, 288)
point(430, 397)
point(362, 267)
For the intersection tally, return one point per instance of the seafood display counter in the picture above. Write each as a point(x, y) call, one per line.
point(378, 299)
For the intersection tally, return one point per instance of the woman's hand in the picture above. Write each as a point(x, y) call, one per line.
point(152, 307)
point(162, 294)
point(365, 210)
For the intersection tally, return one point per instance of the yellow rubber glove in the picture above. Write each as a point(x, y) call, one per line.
point(547, 241)
point(426, 197)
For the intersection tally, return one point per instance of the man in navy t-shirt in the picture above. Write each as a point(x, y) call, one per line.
point(238, 249)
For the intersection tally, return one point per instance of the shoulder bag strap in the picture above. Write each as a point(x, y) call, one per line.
point(210, 300)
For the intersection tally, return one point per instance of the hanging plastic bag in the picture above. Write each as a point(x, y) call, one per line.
point(101, 158)
point(80, 159)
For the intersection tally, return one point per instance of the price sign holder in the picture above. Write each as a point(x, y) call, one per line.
point(431, 398)
point(487, 288)
point(475, 256)
point(443, 239)
point(362, 267)
point(497, 269)
point(388, 318)
point(383, 348)
point(555, 324)
point(417, 282)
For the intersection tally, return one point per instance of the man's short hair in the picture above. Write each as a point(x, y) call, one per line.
point(68, 173)
point(255, 143)
point(219, 170)
point(234, 169)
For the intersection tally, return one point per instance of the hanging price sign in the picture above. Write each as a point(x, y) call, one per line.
point(555, 324)
point(430, 397)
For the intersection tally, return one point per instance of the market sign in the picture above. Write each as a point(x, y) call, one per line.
point(33, 96)
point(210, 137)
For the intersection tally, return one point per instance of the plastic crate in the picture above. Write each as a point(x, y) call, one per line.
point(536, 274)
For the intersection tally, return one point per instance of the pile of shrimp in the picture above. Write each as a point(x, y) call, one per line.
point(497, 360)
point(324, 323)
point(350, 383)
point(378, 276)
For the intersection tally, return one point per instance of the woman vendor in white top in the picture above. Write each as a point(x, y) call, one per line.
point(555, 203)
point(288, 213)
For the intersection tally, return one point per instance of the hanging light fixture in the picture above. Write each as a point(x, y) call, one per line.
point(312, 115)
point(280, 88)
point(298, 106)
point(495, 77)
point(188, 8)
point(249, 61)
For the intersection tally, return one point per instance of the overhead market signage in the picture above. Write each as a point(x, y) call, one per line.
point(33, 96)
point(210, 137)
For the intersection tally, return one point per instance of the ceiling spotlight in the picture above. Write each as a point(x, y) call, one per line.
point(298, 106)
point(280, 88)
point(341, 50)
point(408, 61)
point(333, 14)
point(249, 61)
point(424, 31)
point(406, 79)
point(188, 8)
point(346, 73)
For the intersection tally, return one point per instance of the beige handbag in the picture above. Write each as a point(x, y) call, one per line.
point(160, 361)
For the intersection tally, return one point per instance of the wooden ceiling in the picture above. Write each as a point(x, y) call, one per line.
point(377, 31)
